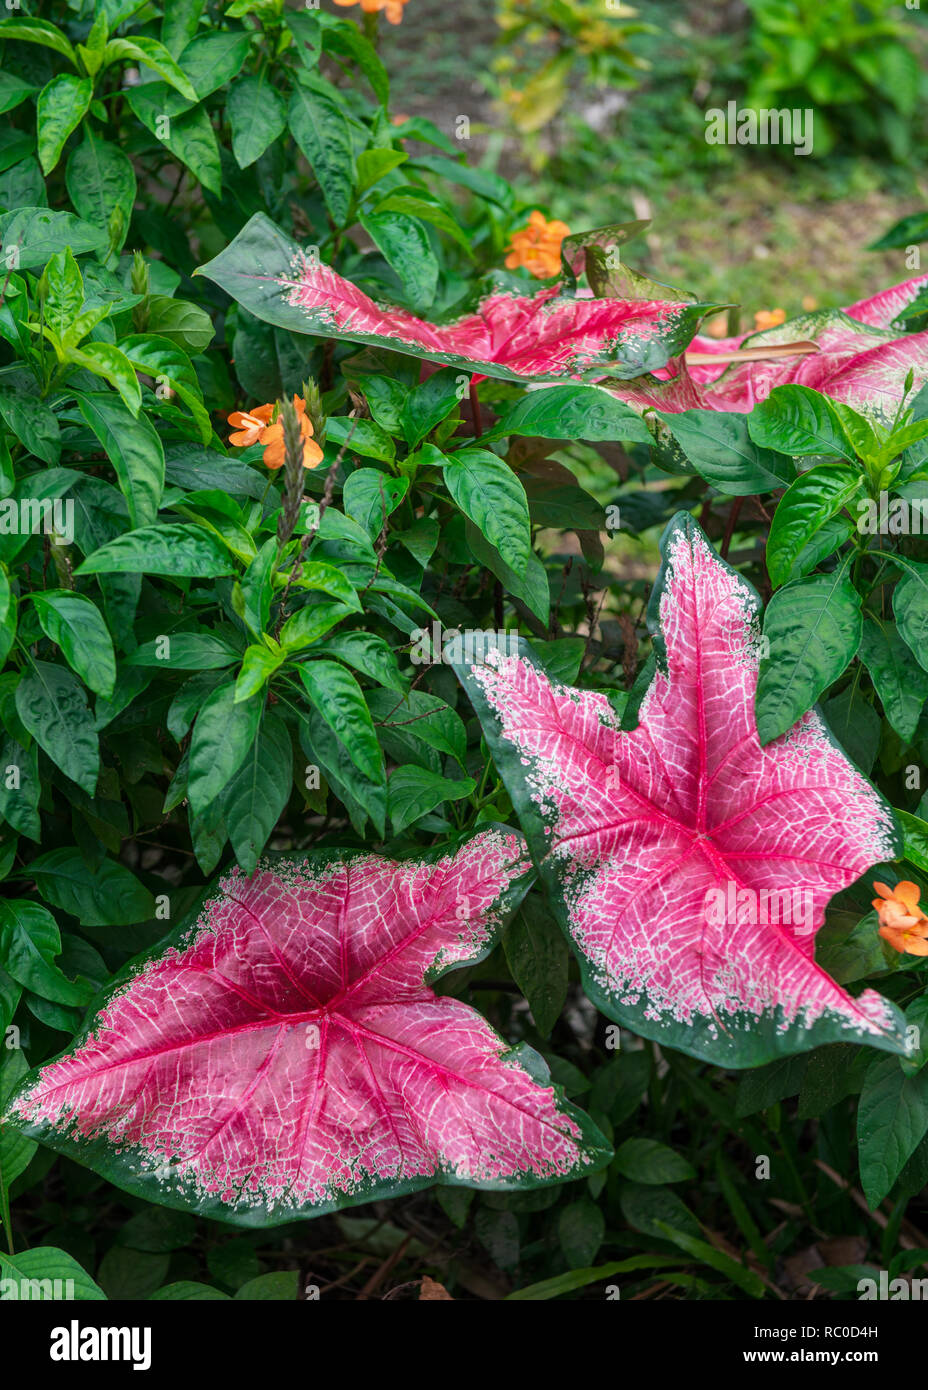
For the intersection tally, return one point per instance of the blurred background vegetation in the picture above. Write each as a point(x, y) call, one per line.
point(598, 116)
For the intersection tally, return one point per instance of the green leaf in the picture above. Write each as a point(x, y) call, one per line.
point(38, 31)
point(131, 1274)
point(362, 437)
point(797, 420)
point(255, 798)
point(830, 536)
point(64, 290)
point(46, 1270)
point(722, 451)
point(338, 698)
point(187, 1291)
point(856, 726)
point(52, 705)
point(487, 491)
point(29, 943)
point(813, 627)
point(182, 323)
point(99, 178)
point(417, 717)
point(571, 412)
point(258, 665)
point(14, 91)
point(106, 896)
point(179, 23)
point(373, 164)
point(814, 498)
point(212, 60)
point(533, 590)
point(74, 623)
point(107, 361)
point(158, 1230)
point(187, 551)
point(581, 1227)
point(39, 233)
point(257, 116)
point(187, 133)
point(575, 1279)
point(538, 957)
point(367, 653)
point(891, 1120)
point(311, 622)
point(429, 403)
point(745, 1279)
point(371, 496)
point(316, 575)
point(16, 1151)
point(910, 605)
point(404, 244)
point(415, 791)
point(170, 365)
point(647, 1161)
point(915, 832)
point(282, 1286)
point(135, 451)
point(61, 106)
point(344, 37)
point(32, 422)
point(152, 54)
point(319, 127)
point(222, 735)
point(898, 679)
point(19, 805)
point(420, 206)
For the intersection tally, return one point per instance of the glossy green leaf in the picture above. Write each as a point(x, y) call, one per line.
point(813, 629)
point(487, 491)
point(73, 622)
point(337, 696)
point(807, 504)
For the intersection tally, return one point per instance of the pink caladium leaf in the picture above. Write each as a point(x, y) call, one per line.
point(690, 866)
point(282, 1054)
point(863, 359)
point(550, 335)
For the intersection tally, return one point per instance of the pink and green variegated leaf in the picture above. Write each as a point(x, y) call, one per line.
point(551, 335)
point(282, 1053)
point(691, 867)
point(863, 360)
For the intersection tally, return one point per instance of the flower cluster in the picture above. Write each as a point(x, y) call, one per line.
point(264, 426)
point(902, 922)
point(537, 247)
point(392, 8)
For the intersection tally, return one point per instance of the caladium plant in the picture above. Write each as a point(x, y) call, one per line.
point(863, 358)
point(691, 867)
point(550, 335)
point(282, 1052)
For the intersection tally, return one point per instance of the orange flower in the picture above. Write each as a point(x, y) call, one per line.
point(393, 8)
point(768, 318)
point(537, 246)
point(902, 922)
point(259, 427)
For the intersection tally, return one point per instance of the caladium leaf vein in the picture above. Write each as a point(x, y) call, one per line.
point(285, 1054)
point(692, 867)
